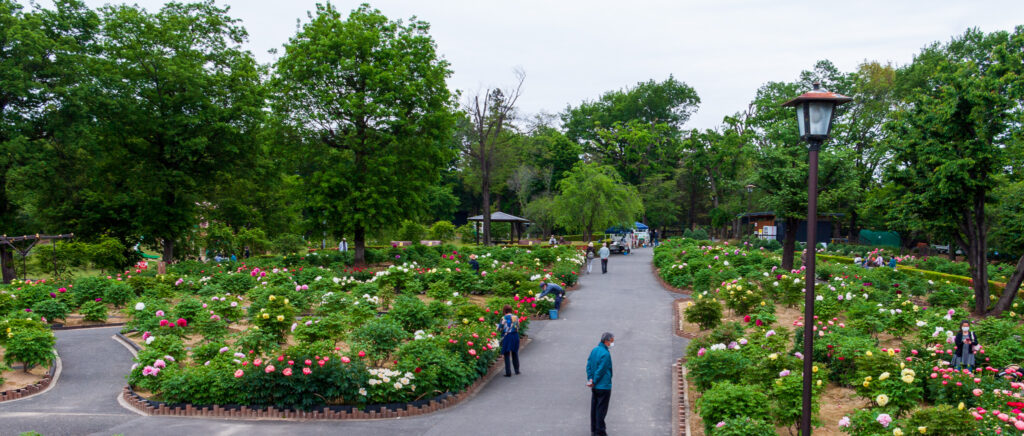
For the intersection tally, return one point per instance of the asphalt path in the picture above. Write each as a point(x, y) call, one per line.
point(548, 398)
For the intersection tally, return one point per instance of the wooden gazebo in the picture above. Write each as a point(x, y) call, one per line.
point(501, 217)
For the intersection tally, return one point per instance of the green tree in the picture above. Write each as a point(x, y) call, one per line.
point(781, 172)
point(955, 132)
point(370, 95)
point(593, 197)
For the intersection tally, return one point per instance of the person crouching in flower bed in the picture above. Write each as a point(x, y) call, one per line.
point(551, 288)
point(509, 328)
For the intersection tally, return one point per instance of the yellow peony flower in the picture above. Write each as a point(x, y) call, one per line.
point(866, 383)
point(960, 406)
point(266, 316)
point(280, 317)
point(891, 353)
point(867, 353)
point(897, 432)
point(882, 400)
point(814, 368)
point(869, 378)
point(908, 379)
point(819, 382)
point(271, 298)
point(773, 356)
point(884, 376)
point(286, 301)
point(922, 430)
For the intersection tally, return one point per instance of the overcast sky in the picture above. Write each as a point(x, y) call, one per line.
point(576, 50)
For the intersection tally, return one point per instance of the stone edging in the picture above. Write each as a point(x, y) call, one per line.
point(680, 401)
point(443, 401)
point(80, 327)
point(34, 388)
point(664, 284)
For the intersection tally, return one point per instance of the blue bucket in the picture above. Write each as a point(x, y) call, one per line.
point(553, 313)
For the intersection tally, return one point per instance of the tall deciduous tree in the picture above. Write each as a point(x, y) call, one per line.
point(490, 114)
point(371, 94)
point(951, 136)
point(594, 196)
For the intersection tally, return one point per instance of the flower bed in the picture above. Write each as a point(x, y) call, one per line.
point(306, 336)
point(883, 340)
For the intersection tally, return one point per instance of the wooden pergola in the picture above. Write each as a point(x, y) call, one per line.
point(501, 217)
point(24, 250)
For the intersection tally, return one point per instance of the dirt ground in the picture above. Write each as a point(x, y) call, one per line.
point(837, 402)
point(16, 379)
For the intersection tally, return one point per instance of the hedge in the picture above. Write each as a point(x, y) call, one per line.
point(931, 275)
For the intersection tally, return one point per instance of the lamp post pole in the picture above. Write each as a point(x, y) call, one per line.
point(815, 111)
point(812, 238)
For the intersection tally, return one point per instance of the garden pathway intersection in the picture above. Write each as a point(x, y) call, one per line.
point(548, 398)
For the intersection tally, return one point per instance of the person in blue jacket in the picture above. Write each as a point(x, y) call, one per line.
point(599, 380)
point(509, 330)
point(551, 288)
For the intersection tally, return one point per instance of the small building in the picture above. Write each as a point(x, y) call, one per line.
point(766, 226)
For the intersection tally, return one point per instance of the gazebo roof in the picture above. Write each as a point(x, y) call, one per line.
point(500, 217)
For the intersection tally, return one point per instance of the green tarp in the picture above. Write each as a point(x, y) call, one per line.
point(885, 238)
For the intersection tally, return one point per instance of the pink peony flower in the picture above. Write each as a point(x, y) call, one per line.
point(239, 373)
point(306, 371)
point(269, 369)
point(159, 313)
point(844, 422)
point(182, 323)
point(345, 359)
point(287, 372)
point(362, 354)
point(884, 419)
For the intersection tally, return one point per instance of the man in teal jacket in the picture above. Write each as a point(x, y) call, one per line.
point(599, 380)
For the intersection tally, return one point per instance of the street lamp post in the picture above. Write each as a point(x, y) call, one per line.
point(815, 111)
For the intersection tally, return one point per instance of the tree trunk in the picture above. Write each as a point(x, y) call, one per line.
point(168, 250)
point(1010, 291)
point(853, 236)
point(7, 261)
point(974, 227)
point(359, 237)
point(486, 192)
point(789, 244)
point(952, 252)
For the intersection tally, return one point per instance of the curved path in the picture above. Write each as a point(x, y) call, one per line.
point(548, 398)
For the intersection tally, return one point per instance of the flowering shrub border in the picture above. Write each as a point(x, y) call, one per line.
point(668, 287)
point(373, 411)
point(35, 388)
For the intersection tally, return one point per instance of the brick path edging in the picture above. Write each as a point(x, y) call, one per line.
point(244, 412)
point(680, 400)
point(31, 389)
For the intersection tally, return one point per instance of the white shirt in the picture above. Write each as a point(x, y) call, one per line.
point(343, 246)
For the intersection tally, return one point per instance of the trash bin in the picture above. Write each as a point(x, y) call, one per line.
point(553, 313)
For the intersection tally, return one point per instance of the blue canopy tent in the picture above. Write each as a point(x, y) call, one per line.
point(640, 226)
point(619, 229)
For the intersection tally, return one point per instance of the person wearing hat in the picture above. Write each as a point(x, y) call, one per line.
point(343, 245)
point(473, 263)
point(591, 254)
point(551, 288)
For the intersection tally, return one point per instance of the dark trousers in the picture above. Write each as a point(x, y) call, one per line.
point(598, 410)
point(558, 302)
point(604, 266)
point(515, 361)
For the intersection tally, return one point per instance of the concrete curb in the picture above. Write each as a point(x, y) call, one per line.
point(83, 327)
point(48, 382)
point(668, 287)
point(134, 402)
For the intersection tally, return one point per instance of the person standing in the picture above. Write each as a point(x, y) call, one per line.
point(599, 380)
point(892, 263)
point(604, 253)
point(553, 241)
point(509, 328)
point(966, 345)
point(343, 245)
point(551, 288)
point(591, 254)
point(474, 264)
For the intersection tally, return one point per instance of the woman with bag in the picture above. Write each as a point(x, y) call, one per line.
point(966, 345)
point(509, 329)
point(590, 257)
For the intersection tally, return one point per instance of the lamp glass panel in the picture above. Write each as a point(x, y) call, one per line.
point(820, 115)
point(800, 118)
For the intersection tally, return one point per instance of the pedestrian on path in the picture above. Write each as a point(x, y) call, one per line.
point(509, 328)
point(551, 288)
point(590, 257)
point(599, 380)
point(604, 253)
point(343, 245)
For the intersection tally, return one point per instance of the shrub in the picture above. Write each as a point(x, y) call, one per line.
point(466, 233)
point(88, 289)
point(411, 313)
point(726, 400)
point(943, 420)
point(94, 311)
point(257, 341)
point(379, 337)
point(411, 231)
point(287, 243)
point(331, 327)
point(118, 294)
point(51, 309)
point(235, 283)
point(437, 370)
point(275, 315)
point(442, 231)
point(704, 311)
point(30, 346)
point(107, 254)
point(744, 427)
point(717, 366)
point(787, 399)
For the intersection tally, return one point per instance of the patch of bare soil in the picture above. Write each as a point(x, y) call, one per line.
point(17, 379)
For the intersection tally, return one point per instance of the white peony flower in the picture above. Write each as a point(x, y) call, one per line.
point(140, 306)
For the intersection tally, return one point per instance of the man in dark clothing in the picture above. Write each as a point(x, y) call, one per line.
point(474, 264)
point(551, 288)
point(599, 380)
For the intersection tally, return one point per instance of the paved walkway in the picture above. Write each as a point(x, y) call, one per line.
point(548, 398)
